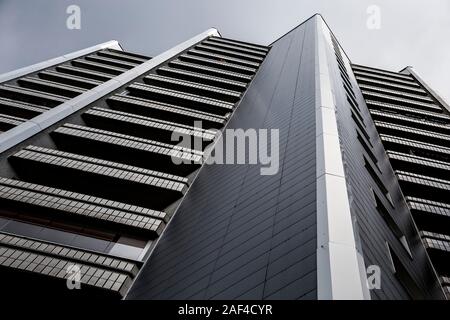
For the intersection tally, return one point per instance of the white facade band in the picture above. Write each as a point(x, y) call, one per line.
point(340, 267)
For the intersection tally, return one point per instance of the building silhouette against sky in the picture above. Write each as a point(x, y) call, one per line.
point(90, 194)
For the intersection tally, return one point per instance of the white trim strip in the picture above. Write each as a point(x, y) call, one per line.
point(23, 131)
point(339, 263)
point(411, 71)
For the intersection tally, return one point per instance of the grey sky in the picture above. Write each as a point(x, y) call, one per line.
point(413, 32)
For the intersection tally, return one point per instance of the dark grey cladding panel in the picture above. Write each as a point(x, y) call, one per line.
point(373, 231)
point(238, 234)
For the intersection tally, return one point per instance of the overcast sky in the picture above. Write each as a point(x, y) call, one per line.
point(413, 32)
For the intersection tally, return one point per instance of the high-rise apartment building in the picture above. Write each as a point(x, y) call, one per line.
point(95, 191)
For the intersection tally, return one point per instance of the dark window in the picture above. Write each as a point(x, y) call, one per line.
point(409, 284)
point(367, 148)
point(392, 224)
point(377, 180)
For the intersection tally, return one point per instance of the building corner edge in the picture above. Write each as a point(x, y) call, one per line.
point(341, 271)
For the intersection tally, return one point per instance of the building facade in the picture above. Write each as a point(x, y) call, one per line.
point(413, 124)
point(96, 193)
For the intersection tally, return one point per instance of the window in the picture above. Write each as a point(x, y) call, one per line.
point(360, 125)
point(368, 149)
point(404, 277)
point(377, 180)
point(391, 223)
